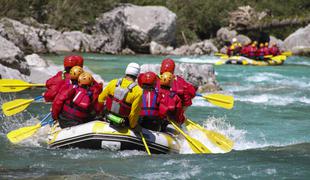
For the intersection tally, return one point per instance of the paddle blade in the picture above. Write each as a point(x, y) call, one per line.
point(224, 56)
point(219, 54)
point(7, 85)
point(287, 53)
point(221, 100)
point(216, 138)
point(279, 58)
point(21, 134)
point(220, 62)
point(195, 145)
point(16, 106)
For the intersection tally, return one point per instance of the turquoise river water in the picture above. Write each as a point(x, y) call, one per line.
point(269, 124)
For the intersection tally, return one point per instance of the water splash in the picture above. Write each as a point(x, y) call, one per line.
point(128, 153)
point(200, 59)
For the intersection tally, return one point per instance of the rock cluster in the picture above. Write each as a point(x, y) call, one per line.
point(299, 41)
point(200, 75)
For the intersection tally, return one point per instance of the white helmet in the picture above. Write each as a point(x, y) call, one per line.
point(234, 40)
point(133, 69)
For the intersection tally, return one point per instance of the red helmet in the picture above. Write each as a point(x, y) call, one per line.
point(167, 65)
point(70, 61)
point(148, 78)
point(80, 60)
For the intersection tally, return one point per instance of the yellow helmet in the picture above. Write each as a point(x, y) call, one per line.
point(255, 42)
point(85, 79)
point(261, 45)
point(166, 79)
point(75, 72)
point(266, 44)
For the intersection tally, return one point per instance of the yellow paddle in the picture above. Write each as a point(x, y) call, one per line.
point(221, 100)
point(220, 62)
point(21, 134)
point(196, 146)
point(287, 53)
point(17, 106)
point(15, 85)
point(219, 54)
point(145, 145)
point(216, 138)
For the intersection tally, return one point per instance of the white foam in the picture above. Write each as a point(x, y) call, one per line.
point(199, 101)
point(128, 153)
point(260, 77)
point(201, 59)
point(306, 63)
point(238, 136)
point(278, 79)
point(274, 100)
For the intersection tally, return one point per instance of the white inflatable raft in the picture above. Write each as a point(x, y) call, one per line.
point(101, 135)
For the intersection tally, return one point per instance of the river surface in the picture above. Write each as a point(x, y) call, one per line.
point(269, 124)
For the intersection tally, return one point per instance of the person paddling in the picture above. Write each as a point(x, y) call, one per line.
point(55, 83)
point(252, 50)
point(260, 53)
point(185, 90)
point(149, 114)
point(170, 104)
point(274, 49)
point(73, 105)
point(123, 98)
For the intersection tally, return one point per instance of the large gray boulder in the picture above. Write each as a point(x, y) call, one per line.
point(200, 48)
point(278, 42)
point(10, 73)
point(137, 26)
point(42, 39)
point(225, 35)
point(200, 75)
point(244, 40)
point(111, 25)
point(12, 57)
point(42, 69)
point(27, 38)
point(299, 41)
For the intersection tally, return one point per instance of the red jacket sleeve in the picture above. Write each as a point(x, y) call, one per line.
point(52, 86)
point(65, 94)
point(189, 91)
point(96, 89)
point(178, 113)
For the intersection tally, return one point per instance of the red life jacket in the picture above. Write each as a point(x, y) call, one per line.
point(274, 50)
point(252, 52)
point(260, 52)
point(266, 51)
point(78, 107)
point(117, 104)
point(149, 103)
point(245, 50)
point(170, 105)
point(230, 51)
point(54, 84)
point(184, 90)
